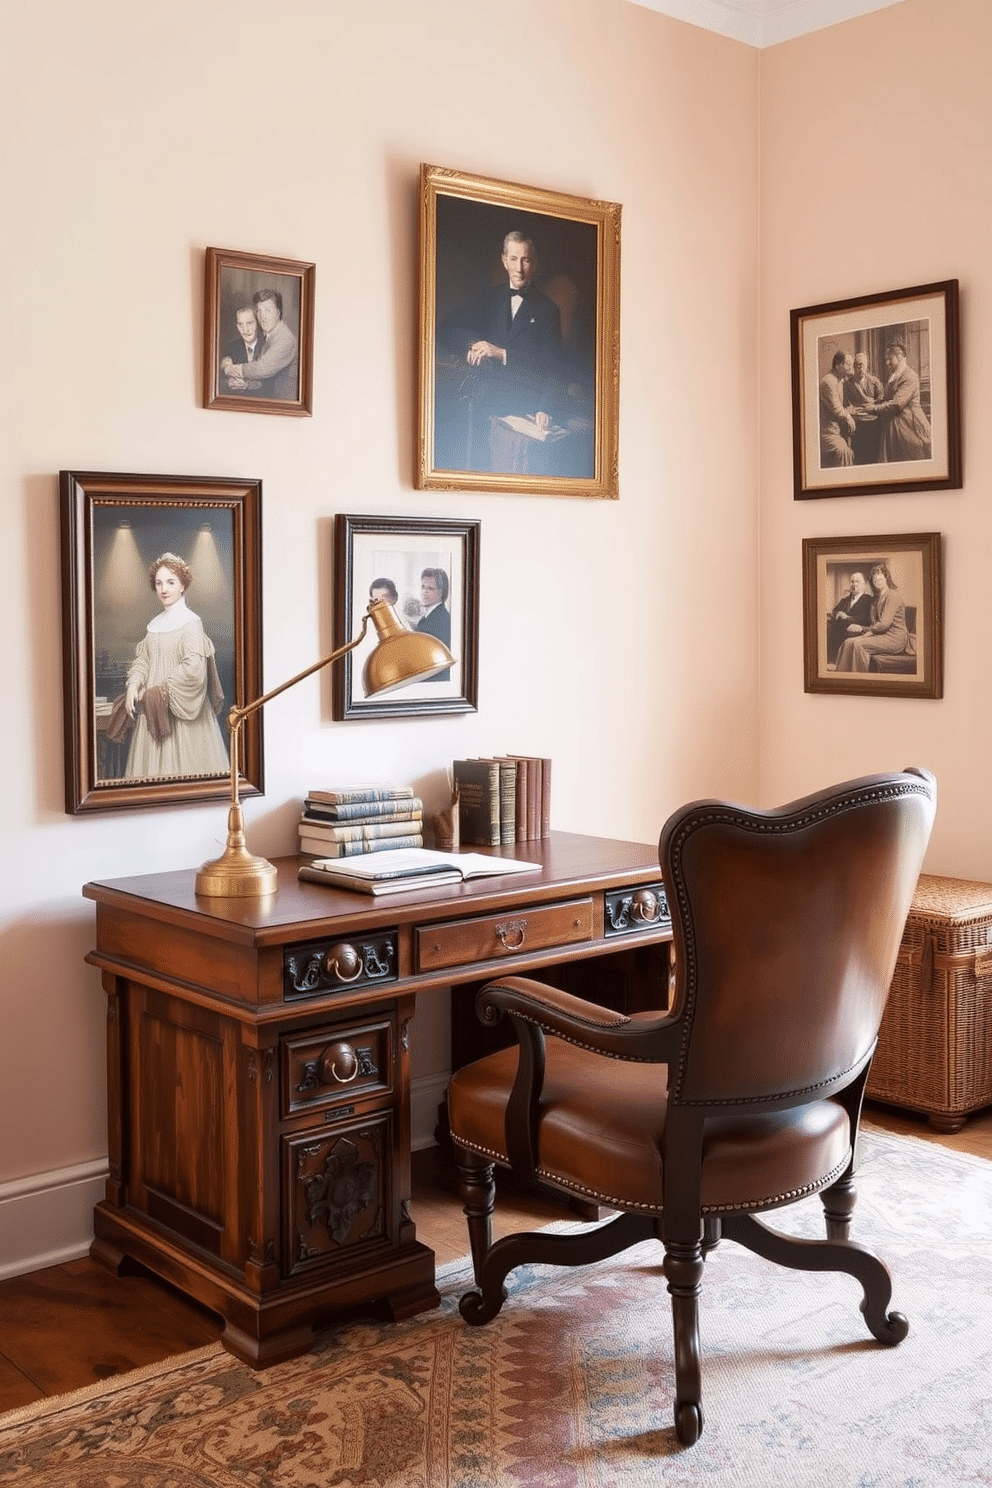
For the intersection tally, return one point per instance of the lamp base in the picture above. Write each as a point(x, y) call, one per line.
point(237, 873)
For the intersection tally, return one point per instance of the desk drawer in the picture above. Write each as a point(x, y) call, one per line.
point(335, 1066)
point(462, 942)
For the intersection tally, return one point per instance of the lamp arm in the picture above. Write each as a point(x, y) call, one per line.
point(238, 714)
point(399, 657)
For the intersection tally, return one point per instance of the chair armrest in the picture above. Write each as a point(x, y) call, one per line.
point(651, 1037)
point(536, 1009)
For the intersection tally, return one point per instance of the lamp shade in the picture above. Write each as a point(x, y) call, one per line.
point(401, 656)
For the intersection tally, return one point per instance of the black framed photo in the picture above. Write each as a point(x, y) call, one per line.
point(876, 394)
point(429, 572)
point(519, 338)
point(162, 635)
point(258, 333)
point(872, 615)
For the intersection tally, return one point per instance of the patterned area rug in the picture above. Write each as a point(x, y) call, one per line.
point(571, 1386)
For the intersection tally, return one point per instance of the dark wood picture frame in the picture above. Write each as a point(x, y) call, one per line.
point(835, 655)
point(841, 447)
point(482, 426)
point(397, 550)
point(232, 284)
point(113, 528)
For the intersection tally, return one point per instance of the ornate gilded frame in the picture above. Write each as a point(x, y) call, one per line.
point(463, 223)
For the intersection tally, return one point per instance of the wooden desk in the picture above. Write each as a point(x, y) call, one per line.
point(258, 1067)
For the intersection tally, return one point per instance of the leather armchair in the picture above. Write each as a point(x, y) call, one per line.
point(742, 1097)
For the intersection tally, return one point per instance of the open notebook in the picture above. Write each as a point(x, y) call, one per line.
point(405, 869)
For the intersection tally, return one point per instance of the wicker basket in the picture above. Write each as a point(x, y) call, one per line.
point(935, 1044)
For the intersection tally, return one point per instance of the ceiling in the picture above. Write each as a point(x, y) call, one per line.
point(762, 23)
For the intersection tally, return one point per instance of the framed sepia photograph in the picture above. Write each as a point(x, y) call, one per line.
point(258, 334)
point(876, 394)
point(519, 338)
point(872, 619)
point(161, 636)
point(429, 572)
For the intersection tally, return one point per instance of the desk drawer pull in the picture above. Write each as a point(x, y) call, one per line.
point(512, 934)
point(344, 963)
point(320, 1064)
point(339, 1055)
point(646, 906)
point(630, 911)
point(520, 930)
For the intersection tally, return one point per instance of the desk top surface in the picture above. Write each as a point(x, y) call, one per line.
point(571, 863)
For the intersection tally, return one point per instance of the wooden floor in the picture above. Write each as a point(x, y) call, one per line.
point(77, 1324)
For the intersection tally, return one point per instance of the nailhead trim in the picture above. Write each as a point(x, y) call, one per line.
point(771, 825)
point(772, 1201)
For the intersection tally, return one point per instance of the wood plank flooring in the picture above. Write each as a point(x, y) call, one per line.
point(76, 1324)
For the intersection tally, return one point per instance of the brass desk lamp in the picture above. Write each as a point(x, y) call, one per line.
point(401, 656)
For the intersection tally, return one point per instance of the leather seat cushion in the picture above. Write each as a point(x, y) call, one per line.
point(601, 1128)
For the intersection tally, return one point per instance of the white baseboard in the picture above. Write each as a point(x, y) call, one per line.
point(425, 1096)
point(47, 1219)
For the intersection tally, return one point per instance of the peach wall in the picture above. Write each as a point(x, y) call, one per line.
point(875, 146)
point(138, 134)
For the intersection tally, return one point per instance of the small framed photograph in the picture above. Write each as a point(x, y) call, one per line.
point(519, 338)
point(161, 636)
point(429, 572)
point(872, 620)
point(258, 334)
point(876, 394)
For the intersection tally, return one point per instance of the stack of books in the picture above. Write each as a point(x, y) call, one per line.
point(344, 821)
point(503, 800)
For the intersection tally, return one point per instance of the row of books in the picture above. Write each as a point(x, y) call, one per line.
point(347, 821)
point(502, 800)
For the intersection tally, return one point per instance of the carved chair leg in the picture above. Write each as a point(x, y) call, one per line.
point(684, 1273)
point(477, 1189)
point(538, 1248)
point(826, 1255)
point(838, 1205)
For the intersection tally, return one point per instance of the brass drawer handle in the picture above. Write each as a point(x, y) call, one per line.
point(645, 906)
point(511, 936)
point(344, 963)
point(343, 1055)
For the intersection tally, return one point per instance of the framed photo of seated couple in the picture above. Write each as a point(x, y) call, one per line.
point(872, 615)
point(876, 394)
point(519, 339)
point(161, 636)
point(258, 334)
point(428, 570)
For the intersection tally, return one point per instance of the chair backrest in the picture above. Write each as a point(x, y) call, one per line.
point(787, 926)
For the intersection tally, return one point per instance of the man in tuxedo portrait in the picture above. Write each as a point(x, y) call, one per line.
point(509, 342)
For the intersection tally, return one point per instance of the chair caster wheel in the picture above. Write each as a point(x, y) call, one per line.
point(477, 1309)
point(688, 1422)
point(472, 1309)
point(897, 1326)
